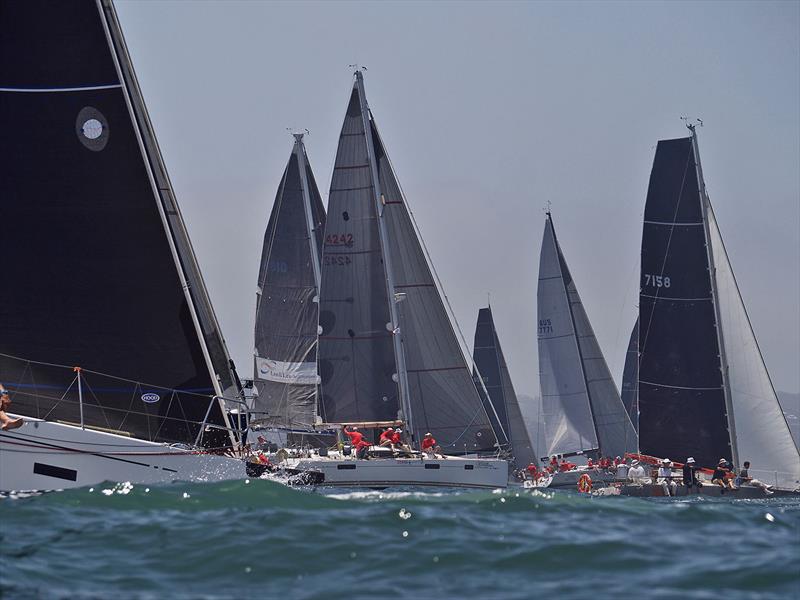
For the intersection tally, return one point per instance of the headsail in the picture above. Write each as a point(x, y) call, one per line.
point(101, 267)
point(491, 365)
point(583, 408)
point(388, 347)
point(630, 377)
point(285, 373)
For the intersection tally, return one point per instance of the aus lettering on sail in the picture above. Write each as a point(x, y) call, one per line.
point(303, 373)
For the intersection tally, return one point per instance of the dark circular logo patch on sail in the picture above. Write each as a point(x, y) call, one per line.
point(92, 128)
point(325, 371)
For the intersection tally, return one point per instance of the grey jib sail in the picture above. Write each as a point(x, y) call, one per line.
point(704, 390)
point(287, 301)
point(583, 410)
point(362, 350)
point(630, 377)
point(102, 270)
point(491, 365)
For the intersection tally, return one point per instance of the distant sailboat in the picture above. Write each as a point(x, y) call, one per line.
point(582, 409)
point(101, 271)
point(704, 390)
point(630, 377)
point(387, 348)
point(287, 301)
point(491, 364)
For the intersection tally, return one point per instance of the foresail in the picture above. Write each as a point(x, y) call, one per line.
point(442, 393)
point(491, 364)
point(630, 377)
point(356, 356)
point(681, 394)
point(565, 398)
point(285, 374)
point(762, 433)
point(103, 273)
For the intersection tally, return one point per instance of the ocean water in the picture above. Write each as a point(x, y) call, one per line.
point(263, 540)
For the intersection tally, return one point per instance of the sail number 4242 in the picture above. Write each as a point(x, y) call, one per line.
point(656, 280)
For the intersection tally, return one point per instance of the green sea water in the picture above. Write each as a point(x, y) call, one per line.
point(263, 540)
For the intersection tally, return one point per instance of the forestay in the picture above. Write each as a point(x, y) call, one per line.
point(287, 300)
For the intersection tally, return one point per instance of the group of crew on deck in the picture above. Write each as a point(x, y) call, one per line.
point(633, 471)
point(391, 438)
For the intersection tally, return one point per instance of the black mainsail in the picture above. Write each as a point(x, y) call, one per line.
point(387, 347)
point(704, 389)
point(287, 301)
point(97, 258)
point(583, 411)
point(490, 364)
point(630, 377)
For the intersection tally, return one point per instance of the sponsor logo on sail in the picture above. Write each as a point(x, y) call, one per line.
point(150, 397)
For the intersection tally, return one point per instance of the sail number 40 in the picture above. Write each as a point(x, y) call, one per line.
point(656, 280)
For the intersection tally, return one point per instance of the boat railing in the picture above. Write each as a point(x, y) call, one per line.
point(98, 401)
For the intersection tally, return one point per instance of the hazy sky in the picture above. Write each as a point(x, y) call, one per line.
point(488, 111)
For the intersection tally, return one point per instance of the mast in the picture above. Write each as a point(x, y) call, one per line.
point(393, 299)
point(575, 331)
point(726, 385)
point(310, 225)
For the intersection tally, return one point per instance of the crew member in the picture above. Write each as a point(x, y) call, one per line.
point(533, 472)
point(386, 437)
point(720, 476)
point(690, 475)
point(665, 477)
point(636, 473)
point(7, 422)
point(429, 446)
point(357, 441)
point(743, 478)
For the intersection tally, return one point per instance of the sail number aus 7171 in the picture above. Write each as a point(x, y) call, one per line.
point(656, 280)
point(545, 326)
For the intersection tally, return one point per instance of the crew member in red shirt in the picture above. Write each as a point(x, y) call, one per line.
point(533, 472)
point(590, 463)
point(386, 438)
point(397, 437)
point(357, 441)
point(554, 463)
point(429, 444)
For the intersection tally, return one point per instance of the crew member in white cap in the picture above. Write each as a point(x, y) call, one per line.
point(636, 472)
point(690, 475)
point(665, 477)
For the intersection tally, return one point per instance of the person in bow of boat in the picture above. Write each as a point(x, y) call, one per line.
point(621, 468)
point(7, 422)
point(690, 475)
point(636, 473)
point(720, 476)
point(665, 477)
point(743, 478)
point(357, 441)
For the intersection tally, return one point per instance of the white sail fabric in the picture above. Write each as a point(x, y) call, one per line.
point(762, 433)
point(565, 399)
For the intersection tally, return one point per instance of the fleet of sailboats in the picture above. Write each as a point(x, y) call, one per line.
point(117, 364)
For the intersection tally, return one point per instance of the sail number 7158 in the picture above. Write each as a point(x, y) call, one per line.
point(656, 280)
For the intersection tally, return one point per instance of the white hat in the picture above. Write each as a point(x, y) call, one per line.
point(634, 462)
point(690, 460)
point(664, 461)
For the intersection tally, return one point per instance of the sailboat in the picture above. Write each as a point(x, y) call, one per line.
point(630, 377)
point(583, 412)
point(287, 303)
point(491, 367)
point(703, 387)
point(388, 352)
point(109, 345)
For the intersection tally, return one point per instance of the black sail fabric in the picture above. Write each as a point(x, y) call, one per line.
point(630, 377)
point(88, 244)
point(491, 364)
point(356, 356)
point(287, 301)
point(443, 396)
point(681, 395)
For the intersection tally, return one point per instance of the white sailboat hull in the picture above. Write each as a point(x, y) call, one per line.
point(43, 455)
point(390, 472)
